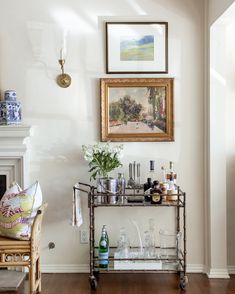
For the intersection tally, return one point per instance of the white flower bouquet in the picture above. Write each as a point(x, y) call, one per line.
point(103, 158)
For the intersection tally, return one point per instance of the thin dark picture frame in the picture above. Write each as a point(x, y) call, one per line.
point(158, 65)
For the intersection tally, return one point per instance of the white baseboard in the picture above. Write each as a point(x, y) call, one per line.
point(217, 273)
point(84, 268)
point(231, 269)
point(195, 268)
point(65, 268)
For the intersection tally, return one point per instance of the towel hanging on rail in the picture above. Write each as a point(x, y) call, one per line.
point(77, 209)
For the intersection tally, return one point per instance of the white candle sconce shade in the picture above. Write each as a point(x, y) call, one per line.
point(63, 80)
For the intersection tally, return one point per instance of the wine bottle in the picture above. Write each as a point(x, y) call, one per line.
point(147, 186)
point(104, 249)
point(156, 193)
point(151, 169)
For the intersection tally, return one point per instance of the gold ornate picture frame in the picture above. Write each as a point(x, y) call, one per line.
point(137, 109)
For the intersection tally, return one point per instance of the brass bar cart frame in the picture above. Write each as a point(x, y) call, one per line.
point(179, 259)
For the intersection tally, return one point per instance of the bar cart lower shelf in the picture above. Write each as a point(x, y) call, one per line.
point(172, 260)
point(170, 264)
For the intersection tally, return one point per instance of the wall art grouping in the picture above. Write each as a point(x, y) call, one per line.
point(137, 109)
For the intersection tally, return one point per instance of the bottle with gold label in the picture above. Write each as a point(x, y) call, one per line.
point(156, 193)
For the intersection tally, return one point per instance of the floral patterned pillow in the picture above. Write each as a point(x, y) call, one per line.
point(18, 209)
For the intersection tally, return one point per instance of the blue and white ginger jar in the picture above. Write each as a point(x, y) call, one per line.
point(10, 109)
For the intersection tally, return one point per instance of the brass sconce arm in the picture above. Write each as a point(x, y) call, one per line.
point(63, 80)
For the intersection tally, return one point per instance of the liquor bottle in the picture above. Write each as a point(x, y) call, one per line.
point(163, 183)
point(156, 193)
point(172, 173)
point(171, 192)
point(147, 187)
point(151, 169)
point(163, 176)
point(171, 182)
point(104, 249)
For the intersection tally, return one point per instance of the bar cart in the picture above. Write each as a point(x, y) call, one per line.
point(174, 261)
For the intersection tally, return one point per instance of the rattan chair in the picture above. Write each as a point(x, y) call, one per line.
point(17, 253)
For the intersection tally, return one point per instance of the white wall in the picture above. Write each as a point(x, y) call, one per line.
point(230, 140)
point(217, 155)
point(64, 119)
point(220, 208)
point(216, 8)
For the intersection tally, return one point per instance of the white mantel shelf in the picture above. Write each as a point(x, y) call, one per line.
point(12, 138)
point(12, 131)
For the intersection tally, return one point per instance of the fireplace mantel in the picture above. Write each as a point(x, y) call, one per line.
point(12, 138)
point(14, 160)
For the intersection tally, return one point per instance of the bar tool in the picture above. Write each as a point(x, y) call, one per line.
point(131, 182)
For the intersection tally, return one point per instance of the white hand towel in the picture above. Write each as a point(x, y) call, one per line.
point(77, 209)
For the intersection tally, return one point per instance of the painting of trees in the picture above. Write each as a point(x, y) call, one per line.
point(126, 109)
point(137, 109)
point(156, 99)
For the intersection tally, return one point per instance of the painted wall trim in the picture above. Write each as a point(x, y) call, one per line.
point(84, 268)
point(65, 268)
point(231, 269)
point(218, 273)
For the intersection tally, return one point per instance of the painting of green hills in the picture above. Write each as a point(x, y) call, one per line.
point(137, 48)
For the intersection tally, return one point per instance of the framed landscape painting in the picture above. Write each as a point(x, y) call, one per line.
point(137, 109)
point(137, 47)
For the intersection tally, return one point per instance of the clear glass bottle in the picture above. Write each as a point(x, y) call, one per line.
point(123, 248)
point(172, 173)
point(163, 175)
point(152, 237)
point(164, 183)
point(104, 249)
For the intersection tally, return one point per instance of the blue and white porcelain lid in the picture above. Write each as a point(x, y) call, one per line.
point(10, 95)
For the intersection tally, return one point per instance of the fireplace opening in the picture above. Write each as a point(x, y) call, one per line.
point(3, 185)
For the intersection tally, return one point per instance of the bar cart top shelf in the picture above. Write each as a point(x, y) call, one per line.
point(124, 199)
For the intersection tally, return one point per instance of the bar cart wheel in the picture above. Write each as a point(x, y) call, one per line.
point(97, 275)
point(93, 282)
point(183, 281)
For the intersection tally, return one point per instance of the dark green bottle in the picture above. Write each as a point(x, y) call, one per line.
point(104, 249)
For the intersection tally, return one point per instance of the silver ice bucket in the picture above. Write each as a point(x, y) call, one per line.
point(107, 186)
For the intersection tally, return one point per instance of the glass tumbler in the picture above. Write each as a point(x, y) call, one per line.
point(169, 244)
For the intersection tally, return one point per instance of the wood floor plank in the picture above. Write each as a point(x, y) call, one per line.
point(135, 284)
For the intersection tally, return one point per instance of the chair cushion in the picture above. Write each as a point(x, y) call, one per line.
point(17, 211)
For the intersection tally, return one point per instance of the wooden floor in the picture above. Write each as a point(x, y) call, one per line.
point(135, 284)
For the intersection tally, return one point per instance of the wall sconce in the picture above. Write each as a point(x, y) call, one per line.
point(63, 80)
